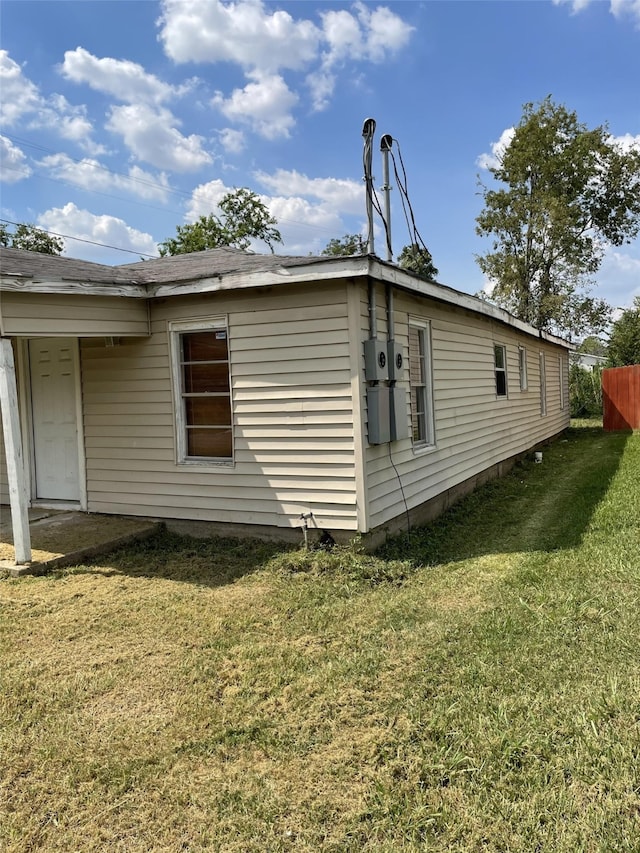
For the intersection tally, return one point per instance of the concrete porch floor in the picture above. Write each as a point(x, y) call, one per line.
point(64, 538)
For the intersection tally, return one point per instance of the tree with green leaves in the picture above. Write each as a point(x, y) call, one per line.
point(592, 345)
point(624, 340)
point(567, 192)
point(243, 217)
point(350, 244)
point(31, 238)
point(418, 260)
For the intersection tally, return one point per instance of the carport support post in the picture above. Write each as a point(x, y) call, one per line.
point(13, 450)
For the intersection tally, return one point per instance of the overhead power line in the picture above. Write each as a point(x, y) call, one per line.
point(83, 240)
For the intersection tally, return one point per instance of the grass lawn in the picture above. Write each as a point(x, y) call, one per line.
point(473, 688)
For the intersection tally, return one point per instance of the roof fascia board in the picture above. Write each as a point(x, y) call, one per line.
point(87, 288)
point(263, 278)
point(442, 293)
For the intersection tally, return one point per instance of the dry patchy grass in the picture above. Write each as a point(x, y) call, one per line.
point(475, 688)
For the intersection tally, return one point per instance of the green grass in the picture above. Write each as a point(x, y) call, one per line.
point(474, 687)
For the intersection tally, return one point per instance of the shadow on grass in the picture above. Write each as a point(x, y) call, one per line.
point(210, 562)
point(537, 507)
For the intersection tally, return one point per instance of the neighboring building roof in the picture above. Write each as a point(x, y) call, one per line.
point(227, 269)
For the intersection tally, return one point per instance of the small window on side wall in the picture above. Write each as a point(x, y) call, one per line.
point(522, 367)
point(202, 391)
point(500, 364)
point(543, 385)
point(420, 381)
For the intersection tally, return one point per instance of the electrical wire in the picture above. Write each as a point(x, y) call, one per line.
point(404, 500)
point(151, 184)
point(83, 240)
point(414, 235)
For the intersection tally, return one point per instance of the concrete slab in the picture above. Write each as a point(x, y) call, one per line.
point(60, 538)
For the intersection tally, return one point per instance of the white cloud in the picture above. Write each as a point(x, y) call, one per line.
point(618, 8)
point(243, 32)
point(306, 226)
point(13, 162)
point(127, 81)
point(264, 42)
point(107, 230)
point(233, 141)
point(626, 142)
point(370, 35)
point(343, 195)
point(19, 95)
point(618, 279)
point(493, 160)
point(265, 104)
point(152, 137)
point(22, 100)
point(204, 199)
point(91, 175)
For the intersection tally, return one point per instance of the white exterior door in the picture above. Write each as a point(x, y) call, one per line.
point(54, 369)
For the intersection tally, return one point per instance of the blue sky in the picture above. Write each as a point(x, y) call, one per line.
point(121, 120)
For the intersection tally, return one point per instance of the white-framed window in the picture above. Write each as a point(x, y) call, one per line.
point(202, 391)
point(522, 367)
point(423, 431)
point(561, 380)
point(500, 365)
point(543, 385)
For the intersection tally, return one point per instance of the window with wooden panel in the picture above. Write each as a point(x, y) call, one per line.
point(421, 384)
point(202, 390)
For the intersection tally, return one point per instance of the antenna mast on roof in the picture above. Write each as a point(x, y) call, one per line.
point(368, 129)
point(385, 146)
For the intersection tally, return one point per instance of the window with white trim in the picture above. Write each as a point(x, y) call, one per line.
point(561, 372)
point(500, 365)
point(543, 385)
point(522, 367)
point(421, 384)
point(202, 391)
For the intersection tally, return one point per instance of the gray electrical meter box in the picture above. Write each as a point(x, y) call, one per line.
point(378, 425)
point(395, 359)
point(376, 366)
point(398, 417)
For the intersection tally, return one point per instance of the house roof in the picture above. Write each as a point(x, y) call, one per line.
point(38, 266)
point(222, 269)
point(212, 263)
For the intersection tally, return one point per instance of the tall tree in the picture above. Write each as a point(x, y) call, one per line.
point(569, 192)
point(32, 238)
point(418, 259)
point(243, 217)
point(350, 244)
point(624, 341)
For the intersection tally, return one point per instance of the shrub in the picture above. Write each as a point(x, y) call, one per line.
point(585, 391)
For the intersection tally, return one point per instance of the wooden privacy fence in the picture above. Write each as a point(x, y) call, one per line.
point(621, 398)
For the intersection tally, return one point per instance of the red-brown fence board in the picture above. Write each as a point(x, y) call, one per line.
point(621, 398)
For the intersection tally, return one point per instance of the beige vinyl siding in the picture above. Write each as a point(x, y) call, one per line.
point(71, 315)
point(293, 429)
point(474, 428)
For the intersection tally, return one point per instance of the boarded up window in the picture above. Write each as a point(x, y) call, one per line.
point(203, 392)
point(422, 420)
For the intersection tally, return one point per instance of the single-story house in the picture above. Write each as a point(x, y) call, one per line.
point(271, 393)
